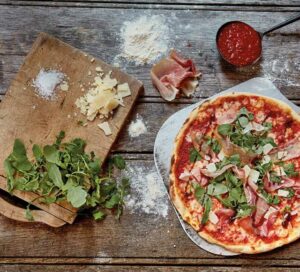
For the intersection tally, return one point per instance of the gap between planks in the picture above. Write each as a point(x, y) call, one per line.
point(159, 100)
point(152, 5)
point(217, 261)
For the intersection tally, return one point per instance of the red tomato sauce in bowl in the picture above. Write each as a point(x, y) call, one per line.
point(239, 44)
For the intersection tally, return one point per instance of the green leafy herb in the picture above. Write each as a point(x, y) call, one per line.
point(289, 169)
point(224, 129)
point(99, 215)
point(244, 210)
point(194, 155)
point(119, 162)
point(243, 121)
point(271, 199)
point(207, 207)
point(77, 196)
point(63, 171)
point(214, 144)
point(28, 214)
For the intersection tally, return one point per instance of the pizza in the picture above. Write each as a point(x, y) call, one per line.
point(235, 172)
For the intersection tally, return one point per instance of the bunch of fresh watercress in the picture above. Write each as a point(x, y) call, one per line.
point(64, 171)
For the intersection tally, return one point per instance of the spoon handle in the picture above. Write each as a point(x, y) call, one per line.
point(289, 21)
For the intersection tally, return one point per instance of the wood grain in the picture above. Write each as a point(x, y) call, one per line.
point(110, 268)
point(140, 241)
point(31, 118)
point(15, 213)
point(97, 31)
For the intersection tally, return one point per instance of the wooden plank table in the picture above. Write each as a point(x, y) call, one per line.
point(141, 241)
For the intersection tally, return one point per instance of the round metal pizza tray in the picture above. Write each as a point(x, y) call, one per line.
point(163, 145)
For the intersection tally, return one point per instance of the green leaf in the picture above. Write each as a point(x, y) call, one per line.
point(289, 169)
point(119, 162)
point(51, 154)
point(76, 196)
point(28, 214)
point(194, 155)
point(243, 121)
point(113, 201)
point(49, 199)
point(9, 170)
point(224, 129)
point(23, 165)
point(59, 138)
point(214, 144)
point(207, 208)
point(19, 151)
point(55, 175)
point(99, 215)
point(214, 189)
point(199, 192)
point(37, 151)
point(244, 211)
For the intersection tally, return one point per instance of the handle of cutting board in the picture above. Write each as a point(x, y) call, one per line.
point(16, 213)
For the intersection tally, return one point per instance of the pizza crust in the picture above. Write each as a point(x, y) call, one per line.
point(254, 248)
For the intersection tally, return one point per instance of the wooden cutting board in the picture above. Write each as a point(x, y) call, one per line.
point(25, 115)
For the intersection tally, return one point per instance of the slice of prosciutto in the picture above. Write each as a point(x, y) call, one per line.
point(174, 74)
point(230, 148)
point(261, 208)
point(290, 150)
point(271, 186)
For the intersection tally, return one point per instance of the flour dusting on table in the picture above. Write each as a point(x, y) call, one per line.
point(148, 193)
point(46, 82)
point(282, 70)
point(144, 39)
point(137, 127)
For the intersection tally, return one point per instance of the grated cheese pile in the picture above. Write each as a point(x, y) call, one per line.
point(136, 128)
point(144, 39)
point(46, 82)
point(105, 95)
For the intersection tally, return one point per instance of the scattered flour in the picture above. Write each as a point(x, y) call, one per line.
point(282, 70)
point(144, 39)
point(137, 127)
point(148, 193)
point(46, 82)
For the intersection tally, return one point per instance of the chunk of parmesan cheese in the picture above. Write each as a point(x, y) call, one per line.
point(247, 170)
point(213, 218)
point(281, 154)
point(267, 148)
point(185, 175)
point(221, 155)
point(211, 167)
point(266, 159)
point(269, 212)
point(253, 175)
point(105, 127)
point(283, 193)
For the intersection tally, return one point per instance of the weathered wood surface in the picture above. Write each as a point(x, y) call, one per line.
point(96, 31)
point(140, 240)
point(110, 268)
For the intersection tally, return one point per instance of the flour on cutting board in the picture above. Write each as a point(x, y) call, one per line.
point(144, 40)
point(137, 127)
point(148, 193)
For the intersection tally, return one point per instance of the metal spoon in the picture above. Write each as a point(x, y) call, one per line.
point(261, 35)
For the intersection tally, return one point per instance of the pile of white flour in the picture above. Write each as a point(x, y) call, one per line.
point(144, 40)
